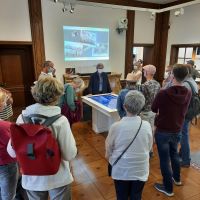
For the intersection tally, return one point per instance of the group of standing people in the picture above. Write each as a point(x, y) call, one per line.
point(47, 92)
point(144, 109)
point(166, 111)
point(50, 95)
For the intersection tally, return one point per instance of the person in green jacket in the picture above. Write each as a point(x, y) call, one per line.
point(69, 97)
point(69, 104)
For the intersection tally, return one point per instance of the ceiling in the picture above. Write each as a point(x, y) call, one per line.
point(158, 1)
point(157, 6)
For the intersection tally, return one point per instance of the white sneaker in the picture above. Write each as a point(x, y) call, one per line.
point(178, 183)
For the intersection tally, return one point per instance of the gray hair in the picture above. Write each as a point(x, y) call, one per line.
point(134, 102)
point(79, 82)
point(47, 90)
point(47, 63)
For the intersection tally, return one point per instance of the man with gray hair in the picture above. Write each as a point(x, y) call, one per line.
point(195, 74)
point(150, 88)
point(99, 83)
point(184, 152)
point(48, 69)
point(131, 171)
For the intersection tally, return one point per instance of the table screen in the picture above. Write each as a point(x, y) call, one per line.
point(109, 100)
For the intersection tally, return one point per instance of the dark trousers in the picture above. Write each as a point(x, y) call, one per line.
point(129, 189)
point(185, 143)
point(167, 144)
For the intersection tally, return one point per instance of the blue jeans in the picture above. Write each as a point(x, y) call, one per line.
point(167, 144)
point(8, 181)
point(129, 189)
point(185, 143)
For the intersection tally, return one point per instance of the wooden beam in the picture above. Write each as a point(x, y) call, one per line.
point(35, 12)
point(130, 3)
point(160, 43)
point(129, 42)
point(175, 3)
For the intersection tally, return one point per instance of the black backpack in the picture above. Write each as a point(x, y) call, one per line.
point(194, 106)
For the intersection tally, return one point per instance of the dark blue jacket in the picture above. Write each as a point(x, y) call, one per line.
point(94, 83)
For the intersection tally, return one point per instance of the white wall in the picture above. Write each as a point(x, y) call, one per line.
point(184, 29)
point(144, 28)
point(14, 21)
point(86, 16)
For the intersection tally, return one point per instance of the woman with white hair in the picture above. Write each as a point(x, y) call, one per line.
point(46, 93)
point(127, 149)
point(69, 103)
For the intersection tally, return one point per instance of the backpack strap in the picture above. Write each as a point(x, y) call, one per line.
point(33, 119)
point(48, 120)
point(192, 87)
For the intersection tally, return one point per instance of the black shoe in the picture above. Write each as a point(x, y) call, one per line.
point(151, 154)
point(185, 165)
point(161, 188)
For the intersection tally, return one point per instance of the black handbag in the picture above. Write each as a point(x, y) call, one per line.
point(111, 166)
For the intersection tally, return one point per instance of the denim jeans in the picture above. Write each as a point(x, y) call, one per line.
point(129, 189)
point(167, 144)
point(61, 193)
point(8, 181)
point(185, 143)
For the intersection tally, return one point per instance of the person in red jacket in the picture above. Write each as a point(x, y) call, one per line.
point(170, 105)
point(8, 165)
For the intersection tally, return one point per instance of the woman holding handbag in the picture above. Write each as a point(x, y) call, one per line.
point(127, 149)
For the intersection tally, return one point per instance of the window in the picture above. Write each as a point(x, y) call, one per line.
point(189, 53)
point(184, 54)
point(137, 53)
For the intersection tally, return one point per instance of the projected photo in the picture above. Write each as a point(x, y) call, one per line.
point(85, 43)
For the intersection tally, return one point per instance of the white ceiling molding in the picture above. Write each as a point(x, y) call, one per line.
point(183, 5)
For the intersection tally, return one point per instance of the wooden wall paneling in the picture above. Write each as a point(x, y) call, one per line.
point(35, 12)
point(160, 43)
point(129, 42)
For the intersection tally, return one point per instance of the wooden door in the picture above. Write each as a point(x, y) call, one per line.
point(17, 72)
point(148, 55)
point(147, 58)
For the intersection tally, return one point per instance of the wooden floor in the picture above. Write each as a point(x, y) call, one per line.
point(90, 170)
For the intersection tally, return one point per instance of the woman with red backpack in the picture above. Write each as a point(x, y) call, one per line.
point(38, 182)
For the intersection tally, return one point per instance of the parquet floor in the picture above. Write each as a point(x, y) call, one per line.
point(90, 170)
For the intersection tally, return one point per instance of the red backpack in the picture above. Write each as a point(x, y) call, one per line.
point(36, 148)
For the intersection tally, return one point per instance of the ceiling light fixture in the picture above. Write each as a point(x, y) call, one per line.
point(153, 14)
point(71, 8)
point(65, 3)
point(179, 12)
